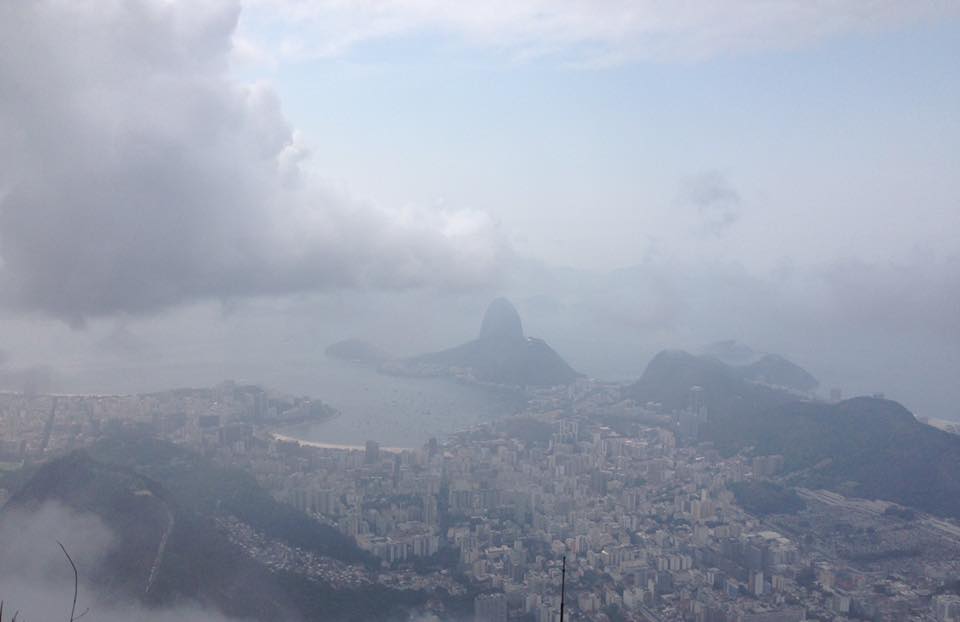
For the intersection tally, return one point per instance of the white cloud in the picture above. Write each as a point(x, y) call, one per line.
point(581, 31)
point(136, 174)
point(717, 202)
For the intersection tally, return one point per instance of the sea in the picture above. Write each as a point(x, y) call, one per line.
point(394, 411)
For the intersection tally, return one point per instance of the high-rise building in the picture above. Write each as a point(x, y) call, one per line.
point(396, 471)
point(490, 608)
point(430, 509)
point(946, 607)
point(698, 403)
point(690, 421)
point(373, 452)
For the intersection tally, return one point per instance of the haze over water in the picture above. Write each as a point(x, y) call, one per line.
point(394, 411)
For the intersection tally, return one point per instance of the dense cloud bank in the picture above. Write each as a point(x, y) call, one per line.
point(135, 174)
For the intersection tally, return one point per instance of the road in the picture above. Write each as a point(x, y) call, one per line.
point(161, 549)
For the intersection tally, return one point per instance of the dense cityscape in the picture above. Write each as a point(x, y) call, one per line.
point(645, 521)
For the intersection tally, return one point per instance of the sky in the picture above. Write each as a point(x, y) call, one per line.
point(635, 175)
point(831, 133)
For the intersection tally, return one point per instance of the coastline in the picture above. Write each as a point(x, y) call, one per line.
point(286, 438)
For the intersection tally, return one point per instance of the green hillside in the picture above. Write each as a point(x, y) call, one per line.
point(161, 502)
point(864, 447)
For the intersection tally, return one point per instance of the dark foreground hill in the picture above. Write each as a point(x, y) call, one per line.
point(864, 447)
point(151, 530)
point(203, 487)
point(501, 354)
point(165, 507)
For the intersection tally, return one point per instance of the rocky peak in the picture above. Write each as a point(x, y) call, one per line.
point(501, 321)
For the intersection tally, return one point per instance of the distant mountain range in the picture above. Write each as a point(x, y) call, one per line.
point(166, 505)
point(501, 354)
point(775, 370)
point(865, 447)
point(771, 369)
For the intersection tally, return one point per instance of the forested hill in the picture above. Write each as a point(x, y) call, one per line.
point(671, 374)
point(865, 447)
point(161, 551)
point(170, 509)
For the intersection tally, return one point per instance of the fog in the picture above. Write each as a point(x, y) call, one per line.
point(159, 211)
point(865, 328)
point(38, 581)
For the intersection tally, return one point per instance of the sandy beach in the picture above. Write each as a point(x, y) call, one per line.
point(320, 445)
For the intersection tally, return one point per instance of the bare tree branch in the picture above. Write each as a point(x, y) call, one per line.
point(76, 582)
point(15, 613)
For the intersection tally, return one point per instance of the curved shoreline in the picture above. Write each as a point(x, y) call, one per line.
point(286, 438)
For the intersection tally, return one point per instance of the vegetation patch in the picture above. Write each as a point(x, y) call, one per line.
point(763, 498)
